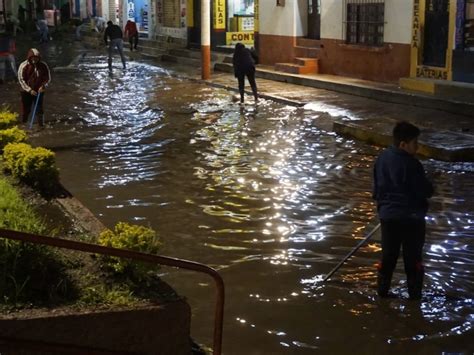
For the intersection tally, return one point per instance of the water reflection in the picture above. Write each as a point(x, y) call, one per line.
point(272, 201)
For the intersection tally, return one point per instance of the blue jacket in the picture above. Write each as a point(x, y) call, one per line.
point(401, 188)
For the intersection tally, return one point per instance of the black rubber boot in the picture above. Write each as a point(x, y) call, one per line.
point(383, 284)
point(415, 282)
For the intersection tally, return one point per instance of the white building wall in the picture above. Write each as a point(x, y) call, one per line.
point(288, 20)
point(331, 19)
point(398, 20)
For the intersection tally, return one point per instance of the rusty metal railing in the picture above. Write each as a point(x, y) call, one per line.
point(128, 254)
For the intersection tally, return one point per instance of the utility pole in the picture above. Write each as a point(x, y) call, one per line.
point(206, 39)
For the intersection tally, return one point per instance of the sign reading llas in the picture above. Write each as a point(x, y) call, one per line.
point(219, 14)
point(242, 37)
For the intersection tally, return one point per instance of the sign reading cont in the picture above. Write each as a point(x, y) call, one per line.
point(242, 37)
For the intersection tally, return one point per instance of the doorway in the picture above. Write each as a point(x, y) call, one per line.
point(436, 31)
point(194, 33)
point(314, 19)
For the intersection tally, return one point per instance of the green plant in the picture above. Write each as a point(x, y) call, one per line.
point(131, 237)
point(103, 295)
point(28, 273)
point(7, 119)
point(34, 166)
point(11, 135)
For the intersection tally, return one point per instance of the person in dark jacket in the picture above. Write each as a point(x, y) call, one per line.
point(114, 32)
point(401, 191)
point(244, 66)
point(33, 76)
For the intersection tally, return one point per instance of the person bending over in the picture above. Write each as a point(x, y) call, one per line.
point(244, 66)
point(114, 33)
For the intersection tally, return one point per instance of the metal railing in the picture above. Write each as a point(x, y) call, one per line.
point(128, 254)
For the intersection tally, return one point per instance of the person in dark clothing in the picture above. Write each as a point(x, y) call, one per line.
point(34, 77)
point(244, 66)
point(7, 55)
point(114, 32)
point(21, 15)
point(401, 191)
point(131, 32)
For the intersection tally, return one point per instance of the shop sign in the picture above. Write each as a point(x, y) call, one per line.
point(416, 25)
point(159, 11)
point(242, 37)
point(246, 24)
point(49, 16)
point(432, 73)
point(131, 10)
point(190, 11)
point(219, 14)
point(460, 16)
point(256, 15)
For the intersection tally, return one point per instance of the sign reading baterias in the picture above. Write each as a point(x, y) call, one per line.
point(219, 14)
point(242, 37)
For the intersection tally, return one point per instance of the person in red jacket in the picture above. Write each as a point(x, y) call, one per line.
point(131, 32)
point(34, 77)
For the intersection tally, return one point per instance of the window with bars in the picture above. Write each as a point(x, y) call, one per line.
point(364, 22)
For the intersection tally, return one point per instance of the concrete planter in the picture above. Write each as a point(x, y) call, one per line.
point(163, 329)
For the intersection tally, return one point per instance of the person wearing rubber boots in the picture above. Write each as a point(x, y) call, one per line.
point(401, 190)
point(33, 76)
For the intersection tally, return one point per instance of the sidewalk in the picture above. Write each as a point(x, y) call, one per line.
point(386, 92)
point(360, 109)
point(446, 136)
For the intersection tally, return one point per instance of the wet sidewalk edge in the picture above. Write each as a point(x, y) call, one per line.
point(371, 92)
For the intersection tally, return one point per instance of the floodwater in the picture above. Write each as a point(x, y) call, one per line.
point(270, 200)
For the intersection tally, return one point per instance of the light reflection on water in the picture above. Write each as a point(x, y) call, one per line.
point(273, 202)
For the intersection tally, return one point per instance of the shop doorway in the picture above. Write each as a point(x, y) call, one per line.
point(436, 31)
point(314, 19)
point(194, 34)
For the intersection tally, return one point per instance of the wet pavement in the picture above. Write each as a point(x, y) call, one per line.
point(268, 196)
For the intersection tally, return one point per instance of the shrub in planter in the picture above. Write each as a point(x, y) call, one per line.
point(7, 119)
point(131, 237)
point(29, 273)
point(11, 135)
point(34, 166)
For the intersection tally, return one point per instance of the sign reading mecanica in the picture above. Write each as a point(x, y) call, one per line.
point(219, 14)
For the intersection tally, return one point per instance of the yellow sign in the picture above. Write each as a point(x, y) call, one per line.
point(432, 73)
point(190, 13)
point(415, 37)
point(219, 14)
point(242, 37)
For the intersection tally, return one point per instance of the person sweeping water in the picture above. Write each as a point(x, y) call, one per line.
point(244, 66)
point(33, 77)
point(401, 191)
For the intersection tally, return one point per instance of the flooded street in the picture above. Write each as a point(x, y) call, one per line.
point(267, 197)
